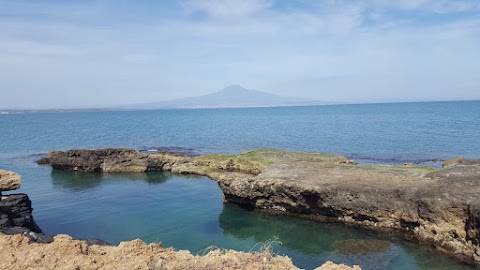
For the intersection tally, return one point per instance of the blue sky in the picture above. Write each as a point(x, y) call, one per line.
point(69, 54)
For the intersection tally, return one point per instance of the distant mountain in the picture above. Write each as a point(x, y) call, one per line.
point(234, 96)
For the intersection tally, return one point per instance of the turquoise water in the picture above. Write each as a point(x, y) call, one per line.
point(188, 213)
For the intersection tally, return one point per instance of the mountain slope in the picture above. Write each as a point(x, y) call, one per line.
point(230, 97)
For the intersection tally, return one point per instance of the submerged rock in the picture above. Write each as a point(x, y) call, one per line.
point(371, 254)
point(361, 246)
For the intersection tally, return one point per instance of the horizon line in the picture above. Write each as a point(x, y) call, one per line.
point(117, 109)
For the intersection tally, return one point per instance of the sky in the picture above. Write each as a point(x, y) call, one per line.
point(101, 53)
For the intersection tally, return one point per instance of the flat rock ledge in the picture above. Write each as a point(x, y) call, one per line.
point(67, 253)
point(436, 206)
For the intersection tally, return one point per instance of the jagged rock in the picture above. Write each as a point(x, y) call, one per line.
point(9, 180)
point(16, 211)
point(332, 266)
point(67, 253)
point(106, 160)
point(35, 237)
point(120, 160)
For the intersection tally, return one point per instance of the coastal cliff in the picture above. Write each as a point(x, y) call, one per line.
point(436, 206)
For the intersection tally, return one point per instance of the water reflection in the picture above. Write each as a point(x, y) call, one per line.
point(82, 181)
point(310, 243)
point(302, 235)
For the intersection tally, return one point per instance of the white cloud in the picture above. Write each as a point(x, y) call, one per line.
point(352, 49)
point(42, 49)
point(429, 6)
point(227, 8)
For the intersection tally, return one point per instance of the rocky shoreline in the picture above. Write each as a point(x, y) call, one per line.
point(440, 207)
point(64, 252)
point(24, 246)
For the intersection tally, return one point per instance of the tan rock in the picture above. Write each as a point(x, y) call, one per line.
point(67, 253)
point(453, 161)
point(332, 266)
point(9, 180)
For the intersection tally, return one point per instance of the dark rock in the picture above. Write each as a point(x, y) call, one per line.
point(35, 237)
point(98, 242)
point(16, 211)
point(92, 160)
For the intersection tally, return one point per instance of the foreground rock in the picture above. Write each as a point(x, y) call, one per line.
point(9, 180)
point(438, 206)
point(67, 253)
point(16, 209)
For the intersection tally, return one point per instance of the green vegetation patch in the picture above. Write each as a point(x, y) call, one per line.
point(269, 156)
point(404, 170)
point(250, 156)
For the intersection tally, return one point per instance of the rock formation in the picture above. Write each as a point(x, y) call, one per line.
point(24, 246)
point(16, 209)
point(9, 180)
point(436, 206)
point(66, 253)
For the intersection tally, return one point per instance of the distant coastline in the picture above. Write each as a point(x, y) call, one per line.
point(117, 109)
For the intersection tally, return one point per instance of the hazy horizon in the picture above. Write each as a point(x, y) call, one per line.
point(98, 54)
point(172, 104)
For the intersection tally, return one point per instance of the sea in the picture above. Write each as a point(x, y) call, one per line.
point(187, 212)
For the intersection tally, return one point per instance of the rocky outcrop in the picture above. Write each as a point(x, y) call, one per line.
point(66, 253)
point(118, 160)
point(16, 209)
point(9, 180)
point(437, 206)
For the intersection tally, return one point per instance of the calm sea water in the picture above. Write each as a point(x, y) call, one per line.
point(188, 213)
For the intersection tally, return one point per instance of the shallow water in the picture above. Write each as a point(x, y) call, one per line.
point(188, 213)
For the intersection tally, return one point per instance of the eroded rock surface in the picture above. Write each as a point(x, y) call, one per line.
point(66, 253)
point(16, 209)
point(9, 180)
point(117, 160)
point(438, 206)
